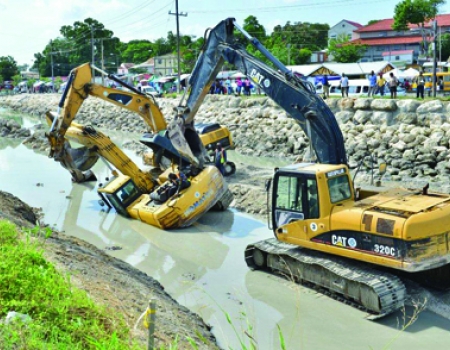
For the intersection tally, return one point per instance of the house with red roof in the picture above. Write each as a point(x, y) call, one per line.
point(387, 44)
point(343, 28)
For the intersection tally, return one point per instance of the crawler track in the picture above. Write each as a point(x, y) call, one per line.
point(376, 292)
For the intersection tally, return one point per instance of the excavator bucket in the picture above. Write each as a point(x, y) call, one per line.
point(176, 135)
point(79, 161)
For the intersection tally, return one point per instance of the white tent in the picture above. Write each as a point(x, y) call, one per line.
point(409, 73)
point(237, 75)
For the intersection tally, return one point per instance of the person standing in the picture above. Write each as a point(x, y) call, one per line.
point(228, 86)
point(381, 84)
point(420, 86)
point(246, 85)
point(238, 86)
point(220, 158)
point(393, 83)
point(326, 87)
point(344, 85)
point(372, 84)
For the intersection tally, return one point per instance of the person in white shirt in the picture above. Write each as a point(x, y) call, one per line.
point(344, 85)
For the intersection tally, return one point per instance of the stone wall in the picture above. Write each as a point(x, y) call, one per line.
point(411, 136)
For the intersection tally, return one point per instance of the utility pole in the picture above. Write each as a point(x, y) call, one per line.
point(434, 56)
point(92, 50)
point(51, 58)
point(177, 14)
point(289, 53)
point(103, 63)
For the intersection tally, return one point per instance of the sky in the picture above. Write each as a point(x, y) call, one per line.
point(27, 26)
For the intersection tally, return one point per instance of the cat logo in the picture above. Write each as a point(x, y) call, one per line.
point(339, 241)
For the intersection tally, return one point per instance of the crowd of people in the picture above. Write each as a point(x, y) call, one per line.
point(227, 86)
point(378, 84)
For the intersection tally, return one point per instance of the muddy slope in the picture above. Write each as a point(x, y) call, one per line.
point(114, 283)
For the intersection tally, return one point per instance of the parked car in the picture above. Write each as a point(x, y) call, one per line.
point(150, 90)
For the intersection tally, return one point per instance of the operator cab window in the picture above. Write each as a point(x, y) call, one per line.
point(128, 193)
point(339, 188)
point(296, 199)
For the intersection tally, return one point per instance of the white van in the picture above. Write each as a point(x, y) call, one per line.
point(356, 87)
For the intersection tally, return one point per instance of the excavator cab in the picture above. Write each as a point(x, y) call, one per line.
point(119, 193)
point(295, 197)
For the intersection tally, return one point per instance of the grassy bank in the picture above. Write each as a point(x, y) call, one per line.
point(60, 316)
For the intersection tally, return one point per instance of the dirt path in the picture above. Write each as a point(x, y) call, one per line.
point(114, 283)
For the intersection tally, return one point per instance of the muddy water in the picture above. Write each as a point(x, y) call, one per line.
point(203, 267)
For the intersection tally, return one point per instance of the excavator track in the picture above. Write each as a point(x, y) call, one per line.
point(376, 292)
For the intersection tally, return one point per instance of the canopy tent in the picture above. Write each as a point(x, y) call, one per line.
point(409, 73)
point(237, 75)
point(305, 69)
point(165, 79)
point(184, 76)
point(226, 74)
point(38, 83)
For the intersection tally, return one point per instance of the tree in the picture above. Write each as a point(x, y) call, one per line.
point(75, 48)
point(137, 51)
point(445, 46)
point(189, 53)
point(345, 52)
point(373, 21)
point(17, 79)
point(8, 67)
point(254, 28)
point(417, 12)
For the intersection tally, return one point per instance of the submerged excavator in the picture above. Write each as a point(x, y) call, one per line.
point(353, 243)
point(132, 192)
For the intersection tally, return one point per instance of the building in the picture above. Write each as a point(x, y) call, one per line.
point(399, 47)
point(124, 68)
point(165, 65)
point(343, 28)
point(148, 66)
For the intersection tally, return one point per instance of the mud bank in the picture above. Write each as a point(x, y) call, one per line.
point(114, 283)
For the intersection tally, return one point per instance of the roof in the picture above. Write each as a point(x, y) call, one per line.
point(362, 68)
point(126, 65)
point(388, 40)
point(357, 25)
point(149, 63)
point(386, 24)
point(305, 69)
point(398, 52)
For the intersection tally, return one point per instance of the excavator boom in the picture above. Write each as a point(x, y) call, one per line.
point(294, 95)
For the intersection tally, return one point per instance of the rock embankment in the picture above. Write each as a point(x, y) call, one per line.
point(413, 137)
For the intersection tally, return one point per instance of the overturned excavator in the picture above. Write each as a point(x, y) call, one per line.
point(130, 189)
point(351, 242)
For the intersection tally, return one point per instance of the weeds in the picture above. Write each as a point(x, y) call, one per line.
point(62, 316)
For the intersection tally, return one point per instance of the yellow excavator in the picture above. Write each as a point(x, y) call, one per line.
point(351, 242)
point(132, 192)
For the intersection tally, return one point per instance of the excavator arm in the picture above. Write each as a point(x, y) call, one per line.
point(79, 88)
point(96, 144)
point(296, 96)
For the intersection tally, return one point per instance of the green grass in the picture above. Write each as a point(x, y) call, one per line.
point(63, 317)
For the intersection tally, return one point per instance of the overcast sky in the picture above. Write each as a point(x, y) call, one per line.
point(26, 26)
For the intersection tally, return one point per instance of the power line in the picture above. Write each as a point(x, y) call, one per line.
point(290, 7)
